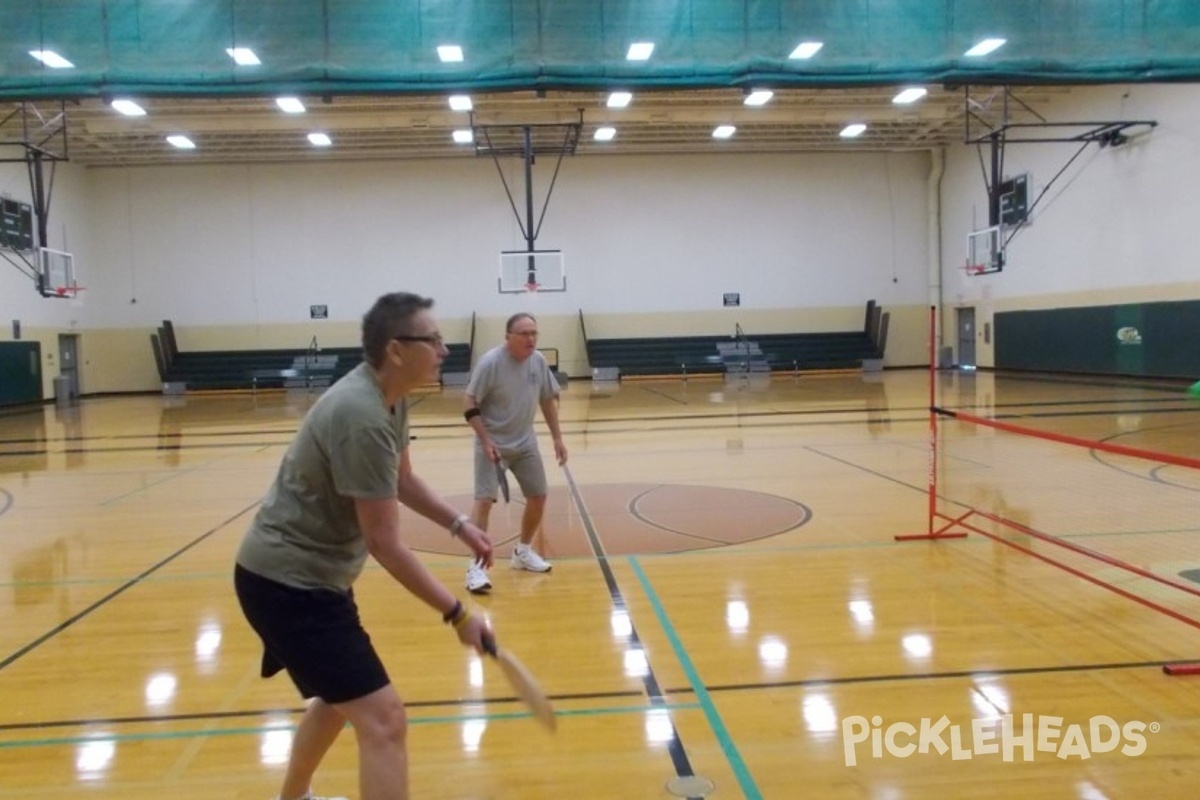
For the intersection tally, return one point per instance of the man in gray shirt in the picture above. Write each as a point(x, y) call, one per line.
point(509, 383)
point(333, 503)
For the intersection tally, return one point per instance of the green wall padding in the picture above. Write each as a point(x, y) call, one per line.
point(1138, 339)
point(20, 373)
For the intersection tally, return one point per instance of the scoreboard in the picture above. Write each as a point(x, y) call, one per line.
point(16, 225)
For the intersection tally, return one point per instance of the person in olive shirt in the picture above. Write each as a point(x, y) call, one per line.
point(333, 503)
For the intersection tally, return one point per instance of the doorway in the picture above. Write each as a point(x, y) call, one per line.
point(965, 325)
point(68, 361)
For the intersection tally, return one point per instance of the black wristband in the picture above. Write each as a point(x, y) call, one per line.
point(453, 613)
point(470, 413)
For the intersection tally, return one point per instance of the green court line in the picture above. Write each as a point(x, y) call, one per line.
point(744, 779)
point(58, 741)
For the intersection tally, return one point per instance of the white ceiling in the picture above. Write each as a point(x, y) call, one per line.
point(373, 127)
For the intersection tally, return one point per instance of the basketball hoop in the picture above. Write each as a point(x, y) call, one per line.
point(974, 269)
point(66, 291)
point(532, 287)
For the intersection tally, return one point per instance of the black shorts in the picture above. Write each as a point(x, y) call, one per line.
point(314, 634)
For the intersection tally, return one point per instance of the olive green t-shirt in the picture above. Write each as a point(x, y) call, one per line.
point(306, 532)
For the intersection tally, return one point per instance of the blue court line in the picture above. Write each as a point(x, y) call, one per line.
point(744, 779)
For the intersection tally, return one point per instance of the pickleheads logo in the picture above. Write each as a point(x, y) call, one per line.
point(995, 737)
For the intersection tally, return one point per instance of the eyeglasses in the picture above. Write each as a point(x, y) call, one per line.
point(526, 334)
point(434, 339)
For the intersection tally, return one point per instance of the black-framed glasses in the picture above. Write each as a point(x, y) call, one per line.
point(434, 339)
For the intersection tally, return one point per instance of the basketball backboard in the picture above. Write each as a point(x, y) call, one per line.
point(56, 273)
point(532, 271)
point(985, 251)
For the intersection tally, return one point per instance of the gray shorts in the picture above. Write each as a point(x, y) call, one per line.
point(524, 464)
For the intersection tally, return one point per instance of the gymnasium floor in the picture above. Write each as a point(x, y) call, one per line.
point(730, 613)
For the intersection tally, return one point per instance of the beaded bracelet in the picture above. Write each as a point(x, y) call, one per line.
point(453, 614)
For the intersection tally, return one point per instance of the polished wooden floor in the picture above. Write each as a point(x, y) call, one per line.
point(730, 613)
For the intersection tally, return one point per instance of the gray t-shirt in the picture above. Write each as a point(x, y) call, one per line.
point(508, 392)
point(306, 532)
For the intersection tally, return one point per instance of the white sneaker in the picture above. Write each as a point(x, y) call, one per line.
point(524, 557)
point(477, 579)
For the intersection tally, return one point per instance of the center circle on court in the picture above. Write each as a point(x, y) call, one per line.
point(628, 519)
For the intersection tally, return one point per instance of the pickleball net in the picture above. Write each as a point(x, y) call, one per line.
point(1121, 517)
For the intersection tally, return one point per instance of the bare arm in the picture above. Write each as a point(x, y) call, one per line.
point(550, 413)
point(476, 423)
point(417, 495)
point(379, 520)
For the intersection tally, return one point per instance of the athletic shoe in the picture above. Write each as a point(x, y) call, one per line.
point(477, 579)
point(524, 557)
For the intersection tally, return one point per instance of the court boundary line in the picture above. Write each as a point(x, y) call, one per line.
point(129, 584)
point(654, 692)
point(716, 724)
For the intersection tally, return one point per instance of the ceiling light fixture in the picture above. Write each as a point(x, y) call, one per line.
point(460, 102)
point(723, 131)
point(463, 136)
point(851, 131)
point(619, 99)
point(806, 49)
point(128, 108)
point(984, 47)
point(910, 95)
point(759, 97)
point(243, 56)
point(320, 139)
point(51, 59)
point(604, 134)
point(180, 141)
point(450, 53)
point(290, 105)
point(639, 51)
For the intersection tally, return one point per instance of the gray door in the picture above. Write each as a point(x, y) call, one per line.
point(68, 360)
point(966, 336)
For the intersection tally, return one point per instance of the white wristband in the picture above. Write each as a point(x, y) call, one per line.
point(459, 521)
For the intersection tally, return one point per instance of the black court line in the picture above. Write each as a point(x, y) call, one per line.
point(62, 626)
point(590, 427)
point(472, 703)
point(663, 395)
point(658, 699)
point(934, 676)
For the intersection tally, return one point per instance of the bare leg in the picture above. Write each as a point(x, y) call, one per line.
point(381, 726)
point(481, 511)
point(531, 519)
point(318, 729)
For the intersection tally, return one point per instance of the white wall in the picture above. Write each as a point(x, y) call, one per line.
point(258, 244)
point(1117, 226)
point(235, 255)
